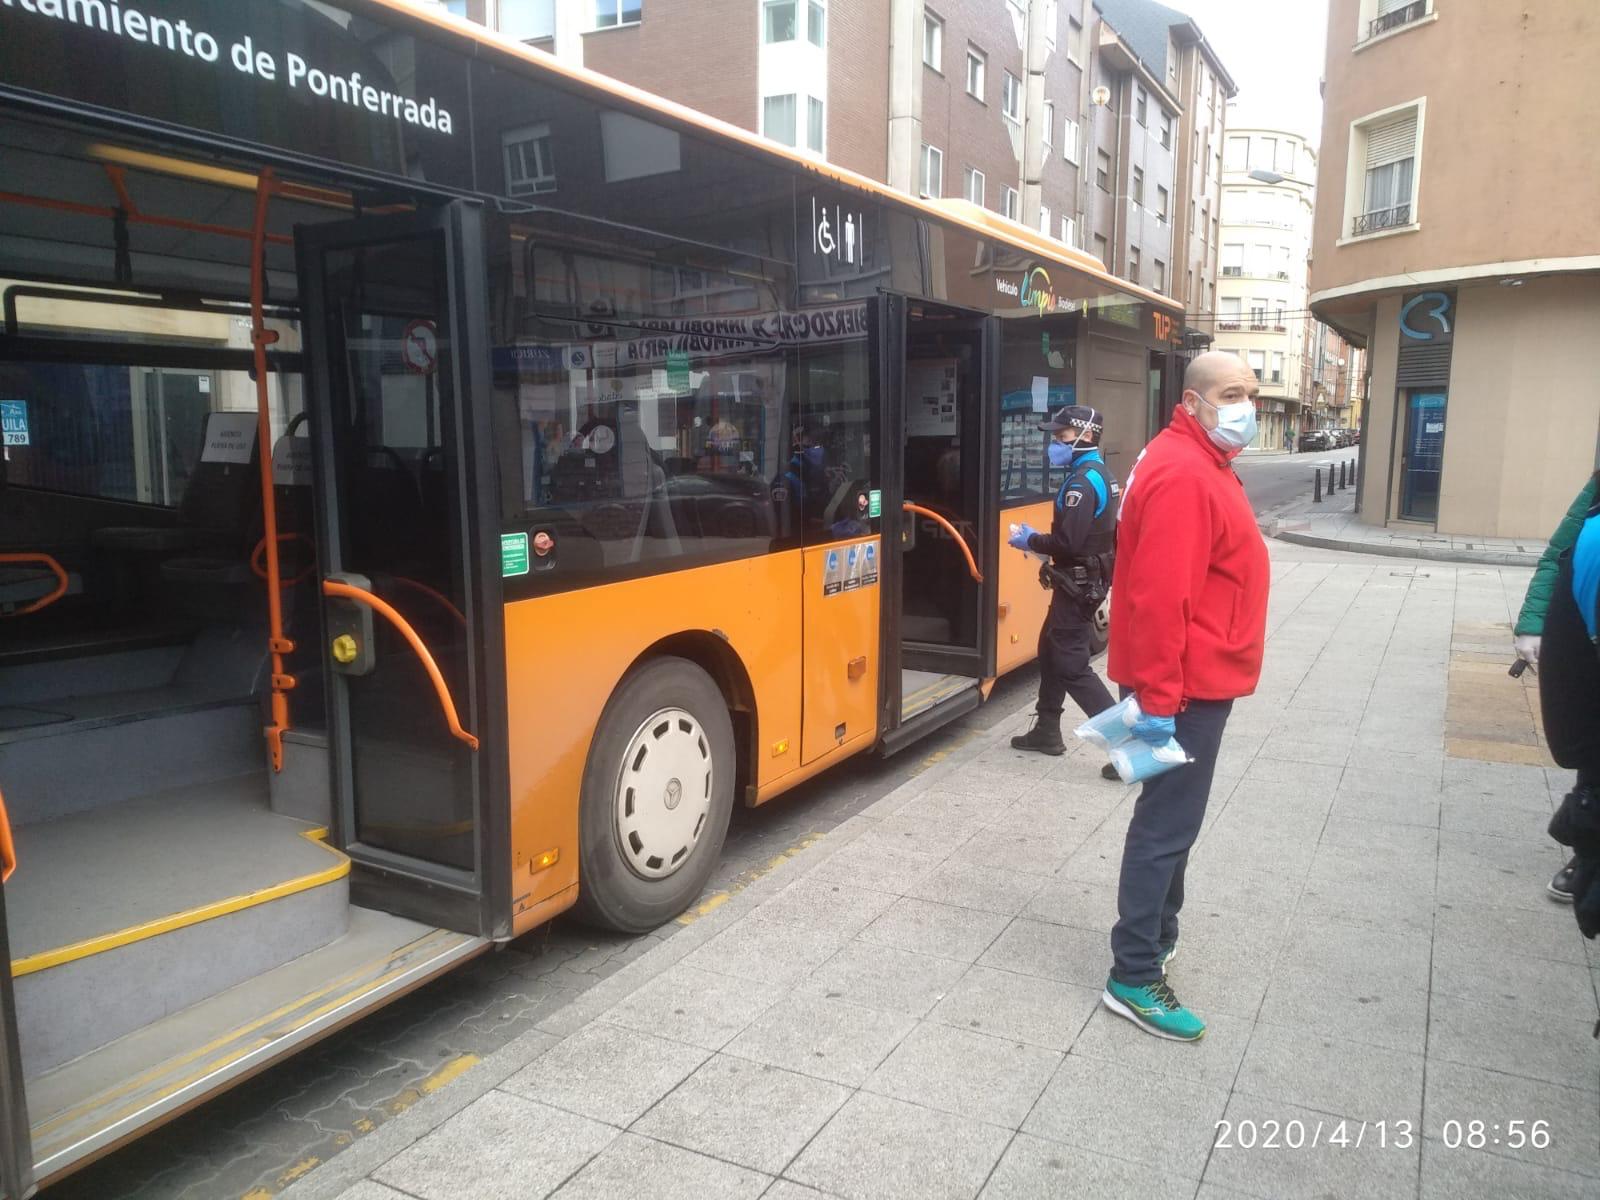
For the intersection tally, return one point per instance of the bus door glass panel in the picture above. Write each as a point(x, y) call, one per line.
point(944, 374)
point(1424, 456)
point(390, 374)
point(831, 479)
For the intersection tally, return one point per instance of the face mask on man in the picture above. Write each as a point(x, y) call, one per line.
point(1236, 424)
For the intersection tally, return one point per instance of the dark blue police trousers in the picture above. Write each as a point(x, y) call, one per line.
point(1166, 821)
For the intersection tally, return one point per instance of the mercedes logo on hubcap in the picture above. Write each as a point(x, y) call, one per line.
point(674, 795)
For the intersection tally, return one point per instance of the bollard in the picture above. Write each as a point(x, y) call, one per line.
point(1316, 486)
point(1344, 473)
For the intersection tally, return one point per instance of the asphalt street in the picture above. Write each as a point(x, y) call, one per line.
point(257, 1139)
point(1274, 480)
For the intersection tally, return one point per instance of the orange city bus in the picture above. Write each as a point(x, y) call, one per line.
point(438, 484)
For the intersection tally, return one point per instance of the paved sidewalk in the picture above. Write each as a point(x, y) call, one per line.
point(1333, 525)
point(910, 1008)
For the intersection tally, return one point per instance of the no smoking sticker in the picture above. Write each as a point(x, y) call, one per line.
point(419, 347)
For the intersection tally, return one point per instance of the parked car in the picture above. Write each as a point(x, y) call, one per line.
point(1315, 439)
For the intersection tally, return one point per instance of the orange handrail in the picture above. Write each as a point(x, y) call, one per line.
point(384, 609)
point(8, 848)
point(966, 551)
point(434, 594)
point(44, 601)
point(260, 338)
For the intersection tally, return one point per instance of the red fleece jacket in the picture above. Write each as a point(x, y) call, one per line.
point(1189, 595)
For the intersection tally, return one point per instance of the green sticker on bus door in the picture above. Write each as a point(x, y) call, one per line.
point(513, 554)
point(678, 370)
point(874, 503)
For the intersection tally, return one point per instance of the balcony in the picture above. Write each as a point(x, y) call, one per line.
point(1280, 329)
point(1383, 218)
point(1258, 326)
point(1414, 11)
point(1233, 270)
point(1280, 274)
point(1228, 326)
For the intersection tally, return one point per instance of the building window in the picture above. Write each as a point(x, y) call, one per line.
point(1166, 130)
point(1258, 313)
point(1286, 152)
point(530, 163)
point(1162, 198)
point(1161, 275)
point(1048, 132)
point(1102, 170)
point(932, 171)
point(1069, 141)
point(1277, 367)
point(1282, 310)
point(1069, 231)
point(1233, 258)
point(778, 119)
point(976, 66)
point(1052, 17)
point(817, 23)
point(1390, 15)
point(1074, 42)
point(1283, 262)
point(816, 125)
point(1216, 230)
point(1133, 264)
point(1238, 155)
point(778, 22)
point(1268, 149)
point(527, 20)
point(1138, 185)
point(1261, 261)
point(1230, 313)
point(1388, 189)
point(974, 186)
point(1102, 249)
point(1258, 361)
point(933, 41)
point(1011, 203)
point(609, 14)
point(1011, 98)
point(1141, 106)
point(1044, 220)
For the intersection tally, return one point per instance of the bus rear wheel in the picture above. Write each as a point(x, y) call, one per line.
point(657, 794)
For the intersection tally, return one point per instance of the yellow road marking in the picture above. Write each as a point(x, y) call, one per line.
point(451, 1069)
point(300, 1168)
point(718, 898)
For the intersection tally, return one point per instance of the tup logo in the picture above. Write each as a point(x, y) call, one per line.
point(1037, 291)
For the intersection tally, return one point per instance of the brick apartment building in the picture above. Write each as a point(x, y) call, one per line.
point(982, 100)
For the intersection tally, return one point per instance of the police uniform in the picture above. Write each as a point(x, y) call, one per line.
point(1080, 545)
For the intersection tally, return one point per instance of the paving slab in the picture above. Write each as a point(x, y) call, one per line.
point(639, 1166)
point(967, 1073)
point(607, 1073)
point(829, 1039)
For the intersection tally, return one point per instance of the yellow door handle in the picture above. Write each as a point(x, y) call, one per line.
point(344, 649)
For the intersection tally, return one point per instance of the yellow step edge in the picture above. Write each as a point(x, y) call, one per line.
point(89, 947)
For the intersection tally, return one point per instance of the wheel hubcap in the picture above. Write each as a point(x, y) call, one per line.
point(663, 793)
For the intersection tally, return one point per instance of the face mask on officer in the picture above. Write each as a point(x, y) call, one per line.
point(1060, 453)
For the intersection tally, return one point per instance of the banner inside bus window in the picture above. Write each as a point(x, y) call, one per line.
point(850, 568)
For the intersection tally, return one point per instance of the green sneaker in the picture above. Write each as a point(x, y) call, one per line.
point(1166, 956)
point(1154, 1009)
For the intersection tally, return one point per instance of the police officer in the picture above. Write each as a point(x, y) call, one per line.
point(1079, 547)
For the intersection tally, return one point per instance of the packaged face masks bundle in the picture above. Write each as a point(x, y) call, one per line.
point(1135, 760)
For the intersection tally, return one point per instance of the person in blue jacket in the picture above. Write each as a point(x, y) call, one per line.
point(1079, 548)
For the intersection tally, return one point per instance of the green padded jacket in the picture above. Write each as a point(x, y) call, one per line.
point(1537, 602)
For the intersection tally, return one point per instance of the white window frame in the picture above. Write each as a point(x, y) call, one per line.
point(933, 32)
point(1044, 219)
point(1069, 231)
point(1367, 12)
point(1011, 98)
point(796, 15)
point(540, 19)
point(1134, 263)
point(1356, 171)
point(518, 184)
point(1241, 161)
point(1047, 130)
point(1074, 41)
point(1011, 203)
point(977, 64)
point(1069, 141)
point(816, 110)
point(1110, 179)
point(794, 113)
point(817, 14)
point(1136, 187)
point(1164, 200)
point(1141, 106)
point(1160, 281)
point(931, 176)
point(616, 6)
point(973, 174)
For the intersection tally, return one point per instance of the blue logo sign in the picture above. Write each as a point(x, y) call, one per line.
point(1426, 317)
point(14, 422)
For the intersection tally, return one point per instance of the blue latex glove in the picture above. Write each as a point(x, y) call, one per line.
point(1019, 539)
point(1154, 730)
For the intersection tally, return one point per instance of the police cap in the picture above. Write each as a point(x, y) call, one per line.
point(1075, 416)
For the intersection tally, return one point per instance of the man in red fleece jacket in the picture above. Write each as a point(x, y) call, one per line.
point(1188, 623)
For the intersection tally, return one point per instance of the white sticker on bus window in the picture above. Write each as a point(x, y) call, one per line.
point(230, 436)
point(1041, 393)
point(204, 382)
